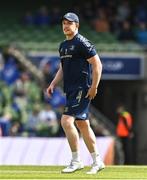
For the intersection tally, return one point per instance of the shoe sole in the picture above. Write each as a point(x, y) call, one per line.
point(74, 170)
point(97, 171)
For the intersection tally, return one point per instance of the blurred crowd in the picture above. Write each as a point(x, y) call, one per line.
point(25, 110)
point(125, 19)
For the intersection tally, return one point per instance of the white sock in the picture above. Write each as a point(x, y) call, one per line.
point(75, 156)
point(95, 156)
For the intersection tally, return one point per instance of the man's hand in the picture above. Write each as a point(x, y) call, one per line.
point(50, 89)
point(55, 81)
point(91, 93)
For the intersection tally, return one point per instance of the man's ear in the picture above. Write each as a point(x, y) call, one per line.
point(77, 25)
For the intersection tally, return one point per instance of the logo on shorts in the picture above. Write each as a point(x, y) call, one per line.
point(66, 109)
point(84, 115)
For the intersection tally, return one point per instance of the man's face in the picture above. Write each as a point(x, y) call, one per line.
point(69, 27)
point(119, 109)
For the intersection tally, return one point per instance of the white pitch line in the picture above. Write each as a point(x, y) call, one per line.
point(25, 171)
point(126, 166)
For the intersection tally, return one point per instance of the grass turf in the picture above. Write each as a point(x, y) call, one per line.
point(54, 172)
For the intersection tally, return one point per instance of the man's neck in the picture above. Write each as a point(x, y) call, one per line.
point(69, 37)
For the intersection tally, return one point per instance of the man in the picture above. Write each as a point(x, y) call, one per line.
point(125, 132)
point(78, 56)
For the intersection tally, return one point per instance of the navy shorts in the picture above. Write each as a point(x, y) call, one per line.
point(77, 105)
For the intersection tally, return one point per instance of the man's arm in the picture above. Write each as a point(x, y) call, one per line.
point(55, 81)
point(96, 75)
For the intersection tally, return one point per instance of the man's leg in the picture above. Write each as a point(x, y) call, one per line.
point(90, 141)
point(72, 135)
point(71, 132)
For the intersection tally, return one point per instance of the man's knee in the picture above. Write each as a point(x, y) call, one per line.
point(67, 122)
point(82, 125)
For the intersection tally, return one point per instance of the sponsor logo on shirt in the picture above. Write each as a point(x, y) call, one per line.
point(66, 56)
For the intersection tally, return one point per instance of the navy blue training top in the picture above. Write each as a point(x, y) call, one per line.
point(76, 69)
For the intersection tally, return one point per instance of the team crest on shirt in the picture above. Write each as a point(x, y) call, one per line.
point(72, 47)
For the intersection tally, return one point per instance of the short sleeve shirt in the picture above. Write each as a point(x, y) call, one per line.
point(76, 69)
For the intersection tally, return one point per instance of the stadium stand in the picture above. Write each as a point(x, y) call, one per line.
point(40, 28)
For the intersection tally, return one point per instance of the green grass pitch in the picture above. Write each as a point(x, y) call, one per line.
point(54, 172)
